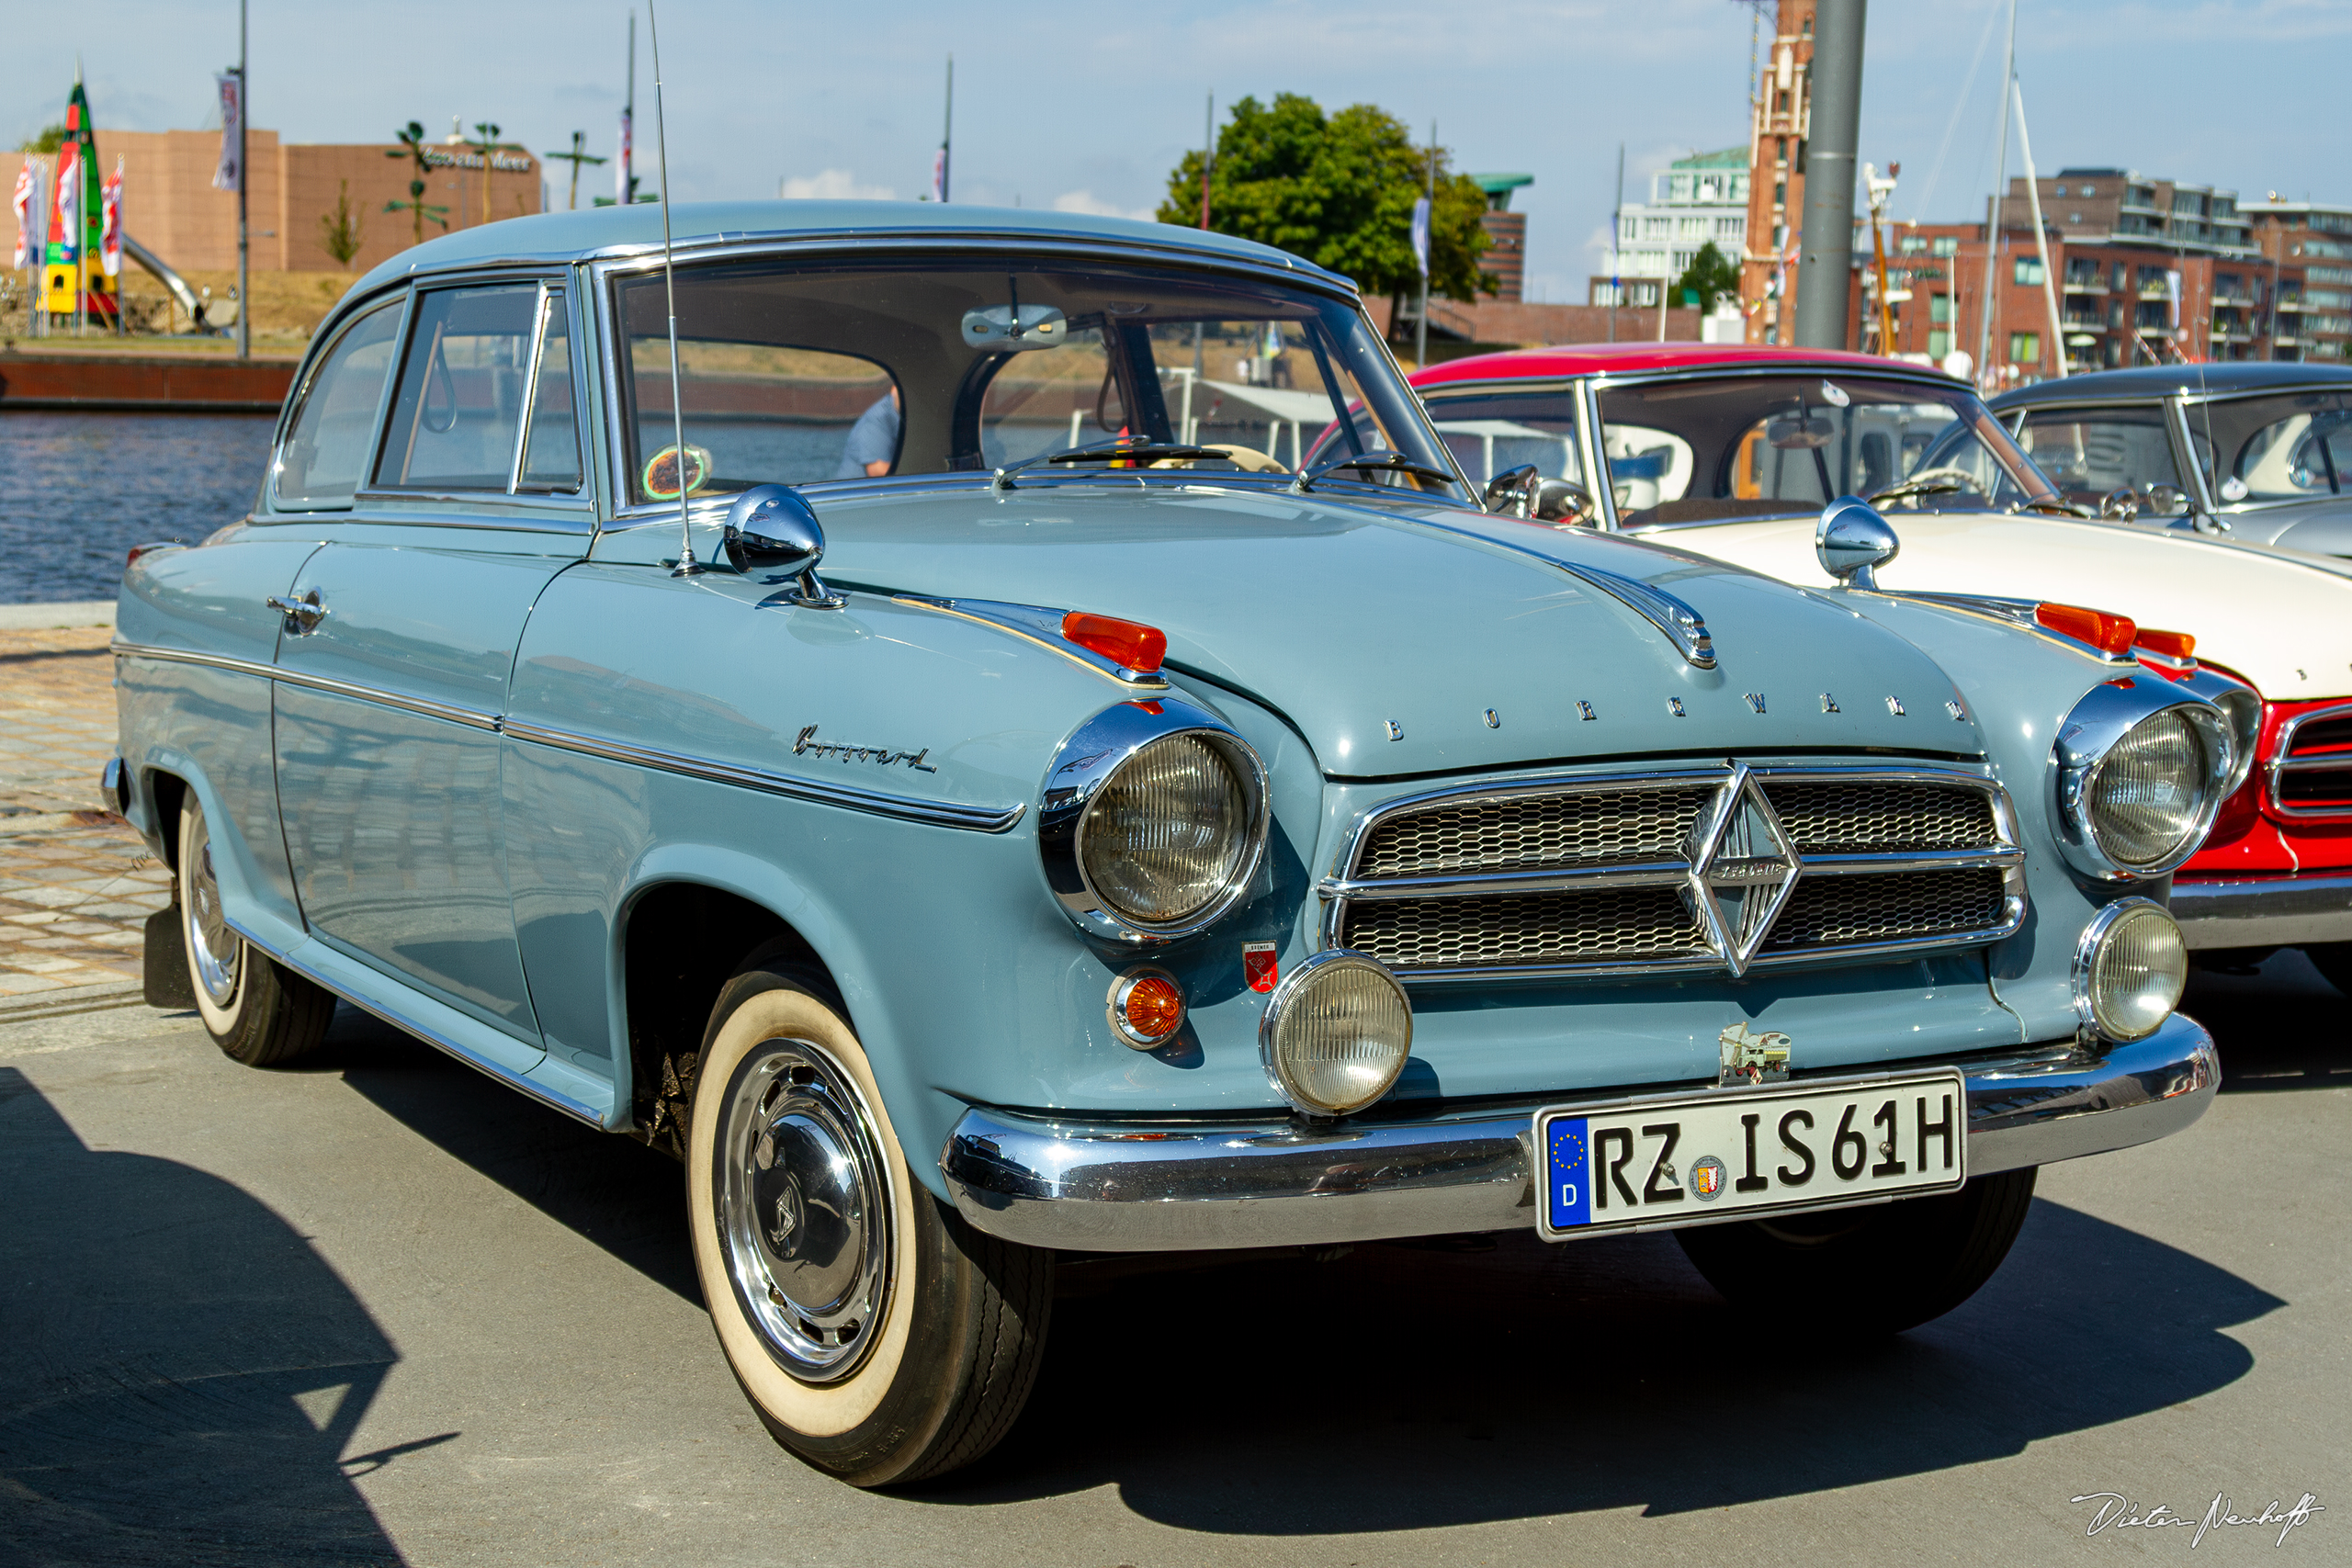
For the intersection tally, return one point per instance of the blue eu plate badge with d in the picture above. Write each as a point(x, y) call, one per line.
point(1568, 1195)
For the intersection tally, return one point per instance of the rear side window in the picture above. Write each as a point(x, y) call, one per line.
point(319, 466)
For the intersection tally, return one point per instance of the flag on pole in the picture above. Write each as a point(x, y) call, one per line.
point(1421, 234)
point(110, 224)
point(938, 175)
point(231, 173)
point(27, 182)
point(621, 182)
point(69, 202)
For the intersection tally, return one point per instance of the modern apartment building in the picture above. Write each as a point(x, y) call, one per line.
point(1694, 201)
point(2306, 252)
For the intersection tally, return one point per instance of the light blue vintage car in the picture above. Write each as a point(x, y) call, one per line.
point(1180, 815)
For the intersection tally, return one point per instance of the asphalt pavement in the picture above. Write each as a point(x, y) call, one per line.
point(377, 1309)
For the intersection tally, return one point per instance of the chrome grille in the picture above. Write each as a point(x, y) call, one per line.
point(1869, 817)
point(1537, 928)
point(1515, 832)
point(2311, 775)
point(1833, 911)
point(1715, 868)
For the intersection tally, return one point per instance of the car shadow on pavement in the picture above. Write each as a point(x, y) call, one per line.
point(613, 1190)
point(1407, 1389)
point(2279, 1027)
point(180, 1372)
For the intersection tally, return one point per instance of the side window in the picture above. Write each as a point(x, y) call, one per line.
point(319, 466)
point(551, 445)
point(460, 408)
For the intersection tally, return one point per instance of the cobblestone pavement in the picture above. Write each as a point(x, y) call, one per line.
point(75, 882)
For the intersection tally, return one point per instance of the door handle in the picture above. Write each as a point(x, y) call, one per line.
point(303, 615)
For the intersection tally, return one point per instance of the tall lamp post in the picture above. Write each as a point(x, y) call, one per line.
point(1825, 272)
point(244, 178)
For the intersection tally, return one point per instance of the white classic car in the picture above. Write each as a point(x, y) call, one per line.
point(1733, 451)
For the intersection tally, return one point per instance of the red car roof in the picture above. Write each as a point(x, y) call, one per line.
point(1593, 358)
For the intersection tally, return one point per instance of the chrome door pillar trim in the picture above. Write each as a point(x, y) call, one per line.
point(1604, 489)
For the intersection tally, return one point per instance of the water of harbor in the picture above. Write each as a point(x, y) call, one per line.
point(77, 491)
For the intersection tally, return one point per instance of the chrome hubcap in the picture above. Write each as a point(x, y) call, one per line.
point(803, 1209)
point(216, 951)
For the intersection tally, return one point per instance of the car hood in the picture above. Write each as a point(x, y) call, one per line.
point(1407, 640)
point(2281, 619)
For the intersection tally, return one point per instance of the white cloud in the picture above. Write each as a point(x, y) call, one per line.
point(1085, 201)
point(833, 185)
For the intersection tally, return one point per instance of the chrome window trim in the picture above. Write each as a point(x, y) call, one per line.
point(1344, 886)
point(2184, 442)
point(935, 813)
point(466, 277)
point(1092, 755)
point(2283, 762)
point(290, 410)
point(2087, 736)
point(1596, 461)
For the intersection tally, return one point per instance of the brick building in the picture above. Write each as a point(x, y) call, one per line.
point(1506, 257)
point(2307, 251)
point(169, 205)
point(1778, 131)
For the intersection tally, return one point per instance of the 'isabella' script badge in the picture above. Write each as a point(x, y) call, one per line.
point(1258, 964)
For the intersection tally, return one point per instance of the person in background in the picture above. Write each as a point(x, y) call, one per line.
point(873, 444)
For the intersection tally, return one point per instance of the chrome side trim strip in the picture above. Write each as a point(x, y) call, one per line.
point(934, 813)
point(1064, 1181)
point(469, 717)
point(938, 814)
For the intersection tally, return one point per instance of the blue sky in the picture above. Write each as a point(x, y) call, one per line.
point(1089, 105)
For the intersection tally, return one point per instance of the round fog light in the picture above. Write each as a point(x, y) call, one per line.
point(2129, 969)
point(1146, 1007)
point(1335, 1033)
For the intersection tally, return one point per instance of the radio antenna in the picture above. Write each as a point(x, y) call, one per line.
point(687, 566)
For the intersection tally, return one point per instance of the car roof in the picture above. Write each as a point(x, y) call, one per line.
point(571, 236)
point(2144, 381)
point(1597, 358)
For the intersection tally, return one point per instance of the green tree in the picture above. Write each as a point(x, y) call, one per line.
point(1338, 189)
point(1710, 276)
point(51, 138)
point(340, 232)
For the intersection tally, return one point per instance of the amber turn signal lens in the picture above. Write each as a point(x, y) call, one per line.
point(2110, 633)
point(1132, 643)
point(1146, 1007)
point(2172, 645)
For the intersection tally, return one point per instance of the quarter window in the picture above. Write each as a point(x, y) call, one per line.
point(318, 467)
point(551, 445)
point(457, 416)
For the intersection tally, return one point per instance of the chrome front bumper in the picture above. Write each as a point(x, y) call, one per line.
point(1135, 1188)
point(2265, 911)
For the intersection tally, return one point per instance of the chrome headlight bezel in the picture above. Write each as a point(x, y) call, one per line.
point(2087, 738)
point(1287, 994)
point(2241, 706)
point(2086, 953)
point(1084, 766)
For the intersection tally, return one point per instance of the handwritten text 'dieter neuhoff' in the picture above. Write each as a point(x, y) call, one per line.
point(2115, 1511)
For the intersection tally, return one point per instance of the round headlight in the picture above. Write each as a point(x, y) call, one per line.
point(1167, 834)
point(1335, 1033)
point(2150, 792)
point(2129, 969)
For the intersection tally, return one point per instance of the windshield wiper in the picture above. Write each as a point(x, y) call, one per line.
point(1124, 450)
point(1382, 462)
point(2055, 508)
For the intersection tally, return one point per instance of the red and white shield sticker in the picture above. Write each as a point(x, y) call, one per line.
point(1258, 964)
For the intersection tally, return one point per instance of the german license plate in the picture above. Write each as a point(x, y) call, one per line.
point(1671, 1160)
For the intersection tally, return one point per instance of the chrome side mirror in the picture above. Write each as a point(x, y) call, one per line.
point(2168, 501)
point(2120, 504)
point(1853, 541)
point(773, 528)
point(1513, 491)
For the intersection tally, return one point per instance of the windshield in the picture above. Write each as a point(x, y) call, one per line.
point(2092, 453)
point(801, 372)
point(1707, 449)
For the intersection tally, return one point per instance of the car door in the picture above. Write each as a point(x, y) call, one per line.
point(393, 667)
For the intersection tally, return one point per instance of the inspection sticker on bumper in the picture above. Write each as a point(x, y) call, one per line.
point(1682, 1159)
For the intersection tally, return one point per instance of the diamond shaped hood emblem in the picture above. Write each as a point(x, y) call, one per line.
point(1743, 870)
